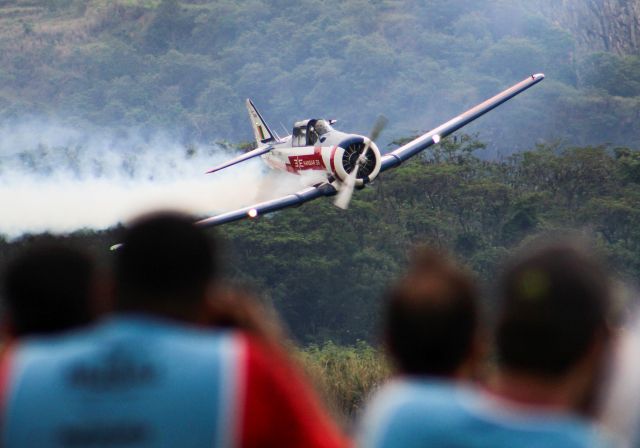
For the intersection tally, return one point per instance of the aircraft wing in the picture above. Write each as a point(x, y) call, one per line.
point(253, 211)
point(399, 155)
point(246, 156)
point(389, 160)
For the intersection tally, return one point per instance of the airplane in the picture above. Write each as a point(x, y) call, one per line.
point(347, 161)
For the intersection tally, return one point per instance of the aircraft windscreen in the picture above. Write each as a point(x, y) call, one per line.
point(322, 127)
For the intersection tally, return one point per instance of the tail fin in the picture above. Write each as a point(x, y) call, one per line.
point(260, 129)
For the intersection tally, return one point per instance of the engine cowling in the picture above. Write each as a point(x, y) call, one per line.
point(347, 153)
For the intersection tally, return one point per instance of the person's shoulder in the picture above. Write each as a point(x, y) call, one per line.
point(281, 407)
point(575, 432)
point(504, 423)
point(132, 336)
point(405, 412)
point(420, 393)
point(412, 413)
point(53, 345)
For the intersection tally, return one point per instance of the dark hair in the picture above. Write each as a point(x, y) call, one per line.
point(555, 302)
point(48, 289)
point(431, 316)
point(165, 260)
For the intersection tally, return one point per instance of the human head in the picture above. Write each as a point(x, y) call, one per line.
point(165, 265)
point(48, 288)
point(431, 319)
point(554, 305)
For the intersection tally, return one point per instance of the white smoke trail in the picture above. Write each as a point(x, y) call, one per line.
point(58, 179)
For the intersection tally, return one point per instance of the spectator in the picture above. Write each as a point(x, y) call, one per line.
point(431, 332)
point(551, 342)
point(431, 319)
point(47, 289)
point(552, 332)
point(151, 375)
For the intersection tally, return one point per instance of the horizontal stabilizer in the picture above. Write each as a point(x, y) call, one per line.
point(246, 156)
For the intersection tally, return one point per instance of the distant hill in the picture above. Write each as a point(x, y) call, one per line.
point(185, 67)
point(598, 25)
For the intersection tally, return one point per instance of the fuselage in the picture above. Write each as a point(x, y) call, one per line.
point(316, 146)
point(295, 159)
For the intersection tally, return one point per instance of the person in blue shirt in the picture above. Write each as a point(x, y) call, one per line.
point(152, 374)
point(551, 341)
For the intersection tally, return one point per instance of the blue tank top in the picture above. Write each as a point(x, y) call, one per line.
point(129, 381)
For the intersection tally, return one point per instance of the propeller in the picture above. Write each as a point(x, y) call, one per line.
point(346, 189)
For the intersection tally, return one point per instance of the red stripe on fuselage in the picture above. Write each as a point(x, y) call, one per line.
point(308, 162)
point(317, 152)
point(333, 153)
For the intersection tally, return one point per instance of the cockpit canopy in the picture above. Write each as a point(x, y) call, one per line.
point(308, 132)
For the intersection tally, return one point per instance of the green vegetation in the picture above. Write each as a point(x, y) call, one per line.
point(345, 376)
point(185, 66)
point(325, 269)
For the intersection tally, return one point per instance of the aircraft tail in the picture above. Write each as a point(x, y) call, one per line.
point(260, 129)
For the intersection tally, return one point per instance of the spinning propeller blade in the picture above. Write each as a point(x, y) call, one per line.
point(346, 189)
point(378, 127)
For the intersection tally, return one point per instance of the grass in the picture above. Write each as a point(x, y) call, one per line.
point(345, 375)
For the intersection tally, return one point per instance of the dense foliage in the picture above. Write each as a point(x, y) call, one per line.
point(325, 269)
point(186, 66)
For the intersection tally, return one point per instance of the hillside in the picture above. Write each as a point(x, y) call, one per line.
point(185, 67)
point(81, 76)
